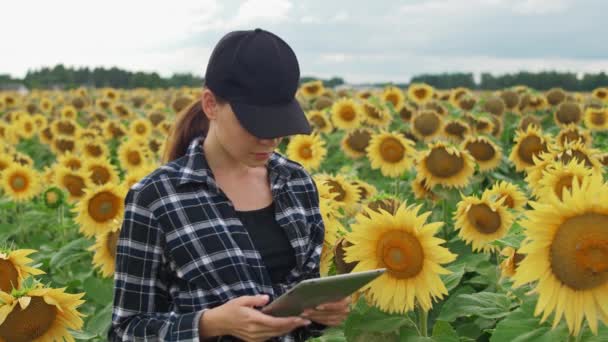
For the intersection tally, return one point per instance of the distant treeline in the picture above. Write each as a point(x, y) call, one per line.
point(68, 78)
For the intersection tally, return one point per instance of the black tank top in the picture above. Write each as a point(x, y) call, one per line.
point(270, 240)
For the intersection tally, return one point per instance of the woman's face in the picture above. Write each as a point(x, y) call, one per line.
point(236, 140)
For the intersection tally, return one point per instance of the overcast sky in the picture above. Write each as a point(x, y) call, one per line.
point(360, 40)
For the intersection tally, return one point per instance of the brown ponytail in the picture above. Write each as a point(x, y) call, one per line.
point(190, 123)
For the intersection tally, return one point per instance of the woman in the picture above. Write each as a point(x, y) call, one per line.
point(228, 225)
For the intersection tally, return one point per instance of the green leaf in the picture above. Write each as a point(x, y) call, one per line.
point(521, 326)
point(100, 322)
point(452, 307)
point(98, 290)
point(443, 331)
point(330, 335)
point(486, 304)
point(83, 335)
point(70, 253)
point(453, 279)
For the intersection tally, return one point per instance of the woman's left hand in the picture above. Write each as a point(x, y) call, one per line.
point(331, 313)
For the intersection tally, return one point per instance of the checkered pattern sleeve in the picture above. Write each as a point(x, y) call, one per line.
point(142, 308)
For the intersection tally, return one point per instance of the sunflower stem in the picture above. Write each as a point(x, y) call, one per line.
point(444, 208)
point(423, 317)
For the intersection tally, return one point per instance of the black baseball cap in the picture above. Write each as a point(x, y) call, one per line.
point(257, 72)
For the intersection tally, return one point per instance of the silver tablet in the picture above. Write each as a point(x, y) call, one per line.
point(309, 293)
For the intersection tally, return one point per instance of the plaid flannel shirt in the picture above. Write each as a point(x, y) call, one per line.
point(182, 249)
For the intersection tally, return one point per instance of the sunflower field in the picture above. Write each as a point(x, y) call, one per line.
point(488, 209)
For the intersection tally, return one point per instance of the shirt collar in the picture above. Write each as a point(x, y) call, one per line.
point(197, 170)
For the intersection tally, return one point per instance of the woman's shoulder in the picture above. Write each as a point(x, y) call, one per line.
point(164, 176)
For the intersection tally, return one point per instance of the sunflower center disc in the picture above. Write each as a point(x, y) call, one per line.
point(51, 197)
point(18, 183)
point(401, 253)
point(392, 98)
point(443, 164)
point(391, 150)
point(578, 155)
point(134, 158)
point(483, 218)
point(336, 189)
point(405, 113)
point(29, 324)
point(372, 112)
point(140, 129)
point(358, 140)
point(74, 164)
point(481, 150)
point(427, 123)
point(509, 202)
point(530, 146)
point(102, 206)
point(347, 113)
point(565, 182)
point(306, 152)
point(101, 175)
point(318, 121)
point(455, 129)
point(94, 151)
point(568, 113)
point(112, 242)
point(598, 118)
point(8, 276)
point(420, 94)
point(571, 136)
point(579, 252)
point(75, 185)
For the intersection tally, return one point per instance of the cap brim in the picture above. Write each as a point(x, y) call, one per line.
point(267, 122)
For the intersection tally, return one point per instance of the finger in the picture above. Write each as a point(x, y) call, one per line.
point(333, 306)
point(251, 301)
point(279, 322)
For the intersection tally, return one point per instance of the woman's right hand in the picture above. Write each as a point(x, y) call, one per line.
point(239, 318)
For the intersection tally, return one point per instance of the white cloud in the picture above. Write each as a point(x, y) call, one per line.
point(530, 7)
point(309, 19)
point(340, 16)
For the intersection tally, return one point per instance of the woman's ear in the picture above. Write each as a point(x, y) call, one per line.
point(209, 104)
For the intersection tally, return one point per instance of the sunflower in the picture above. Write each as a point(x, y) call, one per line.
point(133, 154)
point(514, 198)
point(456, 130)
point(446, 166)
point(342, 267)
point(23, 159)
point(407, 112)
point(528, 143)
point(603, 158)
point(355, 142)
point(510, 99)
point(318, 120)
point(568, 113)
point(73, 181)
point(376, 116)
point(20, 183)
point(65, 127)
point(122, 111)
point(420, 92)
point(180, 102)
point(508, 267)
point(528, 120)
point(105, 251)
point(596, 119)
point(394, 96)
point(322, 102)
point(346, 114)
point(53, 197)
point(141, 128)
point(573, 133)
point(483, 125)
point(437, 107)
point(536, 103)
point(40, 121)
point(421, 190)
point(366, 190)
point(5, 161)
point(391, 153)
point(63, 144)
point(566, 248)
point(600, 94)
point(555, 96)
point(487, 154)
point(577, 150)
point(36, 313)
point(93, 149)
point(312, 88)
point(69, 112)
point(427, 124)
point(559, 177)
point(467, 102)
point(308, 150)
point(344, 193)
point(25, 127)
point(480, 221)
point(100, 171)
point(456, 94)
point(14, 268)
point(406, 246)
point(494, 105)
point(100, 209)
